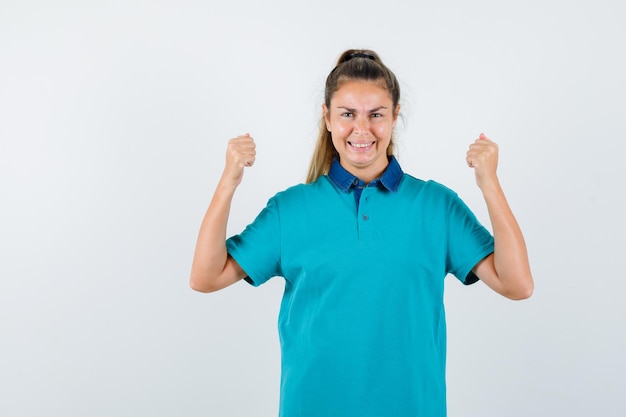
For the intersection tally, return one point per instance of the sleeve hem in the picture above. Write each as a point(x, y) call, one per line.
point(466, 276)
point(250, 273)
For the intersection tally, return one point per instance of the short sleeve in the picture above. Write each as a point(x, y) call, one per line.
point(258, 248)
point(468, 241)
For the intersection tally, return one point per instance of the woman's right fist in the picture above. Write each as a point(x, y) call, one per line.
point(241, 152)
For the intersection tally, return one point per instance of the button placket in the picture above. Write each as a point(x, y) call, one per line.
point(363, 209)
point(364, 218)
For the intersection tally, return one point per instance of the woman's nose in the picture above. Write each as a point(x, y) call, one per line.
point(361, 125)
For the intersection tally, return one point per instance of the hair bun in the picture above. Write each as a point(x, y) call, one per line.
point(359, 55)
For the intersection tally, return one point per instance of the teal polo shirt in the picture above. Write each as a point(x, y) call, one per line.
point(361, 323)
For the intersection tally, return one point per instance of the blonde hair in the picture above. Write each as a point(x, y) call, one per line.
point(353, 64)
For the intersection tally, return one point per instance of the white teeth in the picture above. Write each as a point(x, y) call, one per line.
point(361, 145)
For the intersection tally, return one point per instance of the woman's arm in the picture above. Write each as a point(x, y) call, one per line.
point(507, 270)
point(212, 268)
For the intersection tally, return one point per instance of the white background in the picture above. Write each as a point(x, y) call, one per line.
point(113, 122)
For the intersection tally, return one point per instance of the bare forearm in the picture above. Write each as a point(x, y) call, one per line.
point(212, 268)
point(510, 254)
point(507, 271)
point(210, 255)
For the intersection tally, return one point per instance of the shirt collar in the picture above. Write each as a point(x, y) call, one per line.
point(344, 180)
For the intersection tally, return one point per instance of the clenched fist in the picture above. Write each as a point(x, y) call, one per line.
point(241, 153)
point(483, 157)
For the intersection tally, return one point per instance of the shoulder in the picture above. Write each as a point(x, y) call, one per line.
point(425, 188)
point(303, 192)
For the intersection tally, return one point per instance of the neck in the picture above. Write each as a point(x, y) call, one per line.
point(367, 174)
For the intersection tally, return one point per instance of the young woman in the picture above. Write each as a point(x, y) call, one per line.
point(364, 249)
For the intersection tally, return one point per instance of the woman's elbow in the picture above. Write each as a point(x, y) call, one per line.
point(522, 291)
point(202, 284)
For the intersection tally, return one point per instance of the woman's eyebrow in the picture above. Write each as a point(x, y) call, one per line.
point(348, 109)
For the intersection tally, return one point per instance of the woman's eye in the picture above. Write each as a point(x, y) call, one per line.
point(346, 114)
point(377, 115)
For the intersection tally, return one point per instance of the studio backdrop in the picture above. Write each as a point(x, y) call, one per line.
point(114, 119)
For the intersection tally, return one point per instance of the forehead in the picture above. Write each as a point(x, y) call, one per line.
point(361, 91)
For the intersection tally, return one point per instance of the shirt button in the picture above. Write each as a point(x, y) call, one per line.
point(365, 217)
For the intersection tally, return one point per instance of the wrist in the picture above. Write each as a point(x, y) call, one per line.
point(491, 186)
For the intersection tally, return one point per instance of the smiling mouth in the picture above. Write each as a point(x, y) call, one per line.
point(361, 145)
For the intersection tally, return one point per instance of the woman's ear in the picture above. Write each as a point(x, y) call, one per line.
point(326, 116)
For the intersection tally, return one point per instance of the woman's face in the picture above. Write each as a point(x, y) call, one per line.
point(360, 120)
